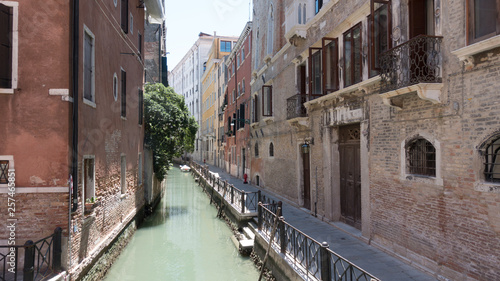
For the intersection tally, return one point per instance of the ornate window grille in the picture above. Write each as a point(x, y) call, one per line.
point(492, 161)
point(4, 171)
point(421, 158)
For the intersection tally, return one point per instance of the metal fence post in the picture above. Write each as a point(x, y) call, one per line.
point(325, 262)
point(29, 261)
point(243, 201)
point(259, 216)
point(232, 194)
point(258, 199)
point(281, 225)
point(57, 250)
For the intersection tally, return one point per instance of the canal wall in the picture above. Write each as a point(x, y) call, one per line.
point(231, 213)
point(100, 260)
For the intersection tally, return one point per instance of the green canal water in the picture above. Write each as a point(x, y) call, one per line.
point(182, 240)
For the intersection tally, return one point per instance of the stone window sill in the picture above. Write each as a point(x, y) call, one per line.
point(489, 187)
point(466, 53)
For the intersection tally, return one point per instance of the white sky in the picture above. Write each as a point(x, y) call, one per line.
point(186, 19)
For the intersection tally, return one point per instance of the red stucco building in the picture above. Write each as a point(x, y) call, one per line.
point(71, 79)
point(238, 97)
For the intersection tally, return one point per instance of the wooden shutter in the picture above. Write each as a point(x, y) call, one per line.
point(5, 46)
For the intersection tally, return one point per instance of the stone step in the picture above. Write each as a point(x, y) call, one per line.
point(249, 233)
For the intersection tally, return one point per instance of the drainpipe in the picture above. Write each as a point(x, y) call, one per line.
point(73, 200)
point(74, 47)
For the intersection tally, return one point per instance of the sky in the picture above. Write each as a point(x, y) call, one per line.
point(186, 19)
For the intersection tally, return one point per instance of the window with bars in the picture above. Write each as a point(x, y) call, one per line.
point(421, 158)
point(4, 171)
point(492, 161)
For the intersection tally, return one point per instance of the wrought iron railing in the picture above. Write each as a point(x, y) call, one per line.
point(242, 201)
point(41, 258)
point(314, 259)
point(416, 61)
point(295, 106)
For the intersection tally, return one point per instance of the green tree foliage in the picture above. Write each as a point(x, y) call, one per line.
point(169, 129)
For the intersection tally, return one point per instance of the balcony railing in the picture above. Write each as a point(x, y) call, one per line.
point(415, 61)
point(295, 106)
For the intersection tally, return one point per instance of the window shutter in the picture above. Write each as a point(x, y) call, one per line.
point(5, 46)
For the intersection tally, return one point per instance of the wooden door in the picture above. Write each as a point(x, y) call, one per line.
point(307, 180)
point(350, 175)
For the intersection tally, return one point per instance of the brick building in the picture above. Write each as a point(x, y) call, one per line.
point(71, 96)
point(238, 97)
point(383, 115)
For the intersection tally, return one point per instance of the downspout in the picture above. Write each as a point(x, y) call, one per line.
point(74, 46)
point(73, 204)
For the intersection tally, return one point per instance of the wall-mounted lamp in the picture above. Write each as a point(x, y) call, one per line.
point(305, 148)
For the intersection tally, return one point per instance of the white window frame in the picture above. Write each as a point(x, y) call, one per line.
point(10, 158)
point(91, 103)
point(84, 177)
point(15, 46)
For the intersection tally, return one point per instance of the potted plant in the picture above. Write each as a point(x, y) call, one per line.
point(89, 204)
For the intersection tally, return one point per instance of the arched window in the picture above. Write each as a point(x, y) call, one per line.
point(270, 29)
point(271, 150)
point(421, 157)
point(492, 161)
point(300, 13)
point(256, 150)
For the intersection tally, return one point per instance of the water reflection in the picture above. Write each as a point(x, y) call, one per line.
point(182, 240)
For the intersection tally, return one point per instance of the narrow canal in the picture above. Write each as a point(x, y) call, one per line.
point(182, 240)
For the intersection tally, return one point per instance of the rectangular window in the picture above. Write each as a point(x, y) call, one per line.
point(139, 47)
point(380, 28)
point(242, 54)
point(234, 95)
point(241, 118)
point(124, 15)
point(225, 46)
point(315, 74)
point(267, 100)
point(89, 179)
point(330, 65)
point(4, 171)
point(123, 177)
point(318, 5)
point(141, 106)
point(124, 94)
point(255, 109)
point(483, 19)
point(8, 47)
point(243, 86)
point(88, 66)
point(352, 56)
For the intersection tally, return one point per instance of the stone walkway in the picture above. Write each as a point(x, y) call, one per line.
point(341, 238)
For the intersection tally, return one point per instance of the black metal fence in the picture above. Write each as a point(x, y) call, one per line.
point(243, 201)
point(40, 259)
point(416, 61)
point(313, 258)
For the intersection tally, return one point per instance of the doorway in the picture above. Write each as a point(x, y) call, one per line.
point(421, 22)
point(350, 175)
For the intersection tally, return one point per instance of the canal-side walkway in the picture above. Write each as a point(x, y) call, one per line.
point(342, 239)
